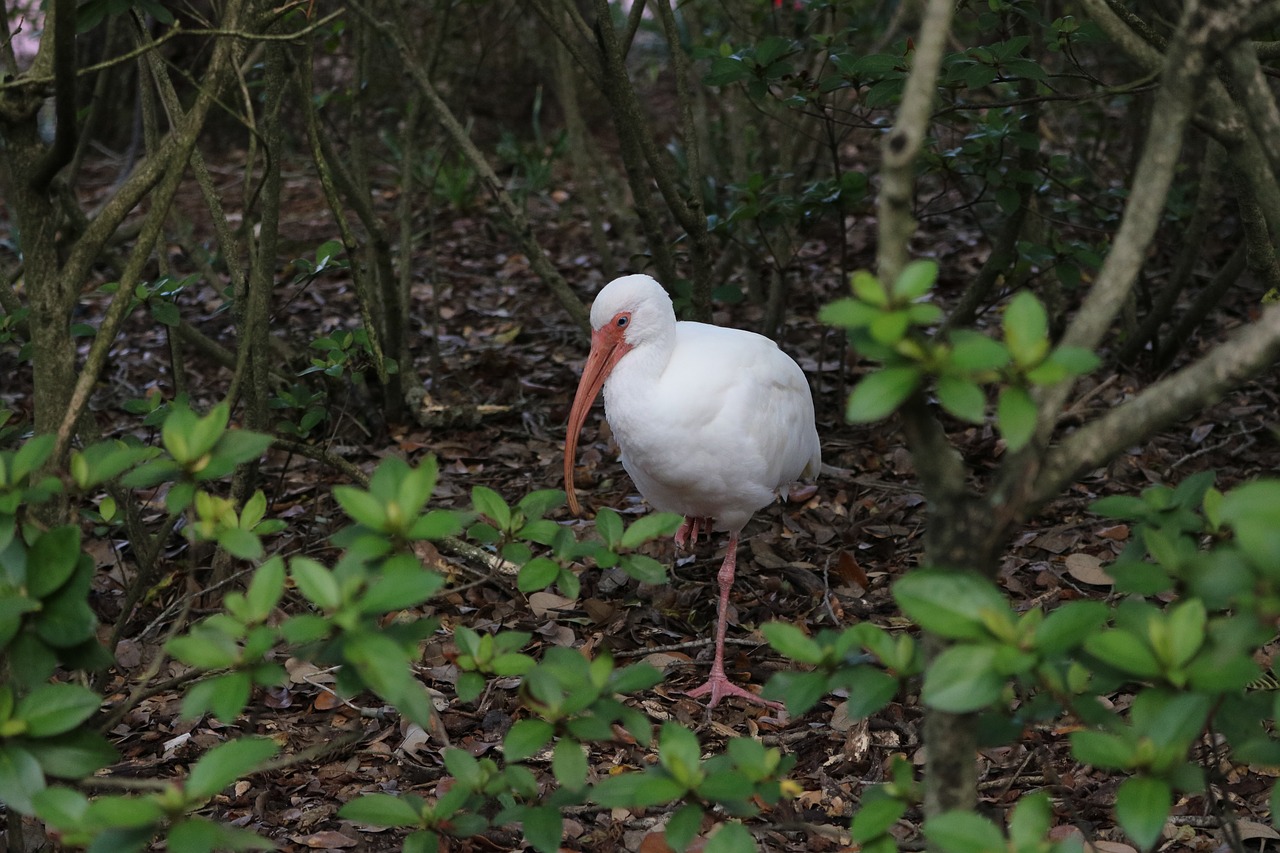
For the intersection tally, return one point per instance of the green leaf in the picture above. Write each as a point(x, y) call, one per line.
point(609, 526)
point(61, 808)
point(400, 585)
point(569, 764)
point(799, 690)
point(543, 828)
point(1030, 821)
point(1076, 361)
point(876, 817)
point(879, 394)
point(1016, 415)
point(1124, 651)
point(73, 755)
point(869, 289)
point(787, 639)
point(197, 834)
point(650, 527)
point(381, 810)
point(915, 280)
point(1026, 329)
point(643, 568)
point(727, 70)
point(224, 696)
point(1069, 625)
point(890, 327)
point(948, 602)
point(436, 524)
point(362, 507)
point(491, 505)
point(238, 446)
point(962, 398)
point(1102, 749)
point(683, 826)
point(224, 764)
point(680, 753)
point(265, 590)
point(464, 768)
point(1142, 806)
point(30, 456)
point(20, 778)
point(731, 837)
point(525, 738)
point(240, 543)
point(870, 689)
point(630, 679)
point(963, 832)
point(52, 560)
point(974, 352)
point(848, 314)
point(52, 709)
point(316, 582)
point(538, 573)
point(963, 678)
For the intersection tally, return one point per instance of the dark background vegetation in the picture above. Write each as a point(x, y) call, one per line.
point(371, 230)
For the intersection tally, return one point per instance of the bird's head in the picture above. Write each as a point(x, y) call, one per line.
point(628, 312)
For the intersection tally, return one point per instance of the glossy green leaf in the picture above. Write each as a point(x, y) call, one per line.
point(962, 399)
point(947, 602)
point(1142, 806)
point(362, 507)
point(52, 560)
point(20, 778)
point(879, 394)
point(875, 818)
point(1069, 625)
point(963, 832)
point(683, 826)
point(226, 763)
point(316, 583)
point(789, 640)
point(637, 790)
point(1102, 749)
point(569, 764)
point(543, 827)
point(52, 709)
point(1026, 329)
point(491, 505)
point(974, 352)
point(650, 527)
point(265, 590)
point(526, 738)
point(381, 810)
point(915, 280)
point(963, 678)
point(73, 755)
point(1016, 415)
point(1124, 651)
point(731, 837)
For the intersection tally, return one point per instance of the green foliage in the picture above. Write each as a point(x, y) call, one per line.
point(891, 324)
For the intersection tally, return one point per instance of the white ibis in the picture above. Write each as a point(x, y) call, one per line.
point(711, 422)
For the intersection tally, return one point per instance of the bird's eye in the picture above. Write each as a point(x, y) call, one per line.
point(622, 321)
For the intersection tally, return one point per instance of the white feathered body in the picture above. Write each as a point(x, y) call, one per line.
point(712, 421)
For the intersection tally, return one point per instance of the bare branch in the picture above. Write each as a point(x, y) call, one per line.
point(1252, 350)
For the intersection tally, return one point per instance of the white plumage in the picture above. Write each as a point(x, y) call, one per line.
point(712, 422)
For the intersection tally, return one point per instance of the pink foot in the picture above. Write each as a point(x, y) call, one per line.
point(693, 527)
point(719, 686)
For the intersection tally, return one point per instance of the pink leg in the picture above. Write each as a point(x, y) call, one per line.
point(687, 535)
point(719, 686)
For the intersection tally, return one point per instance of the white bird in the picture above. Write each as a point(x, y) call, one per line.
point(712, 423)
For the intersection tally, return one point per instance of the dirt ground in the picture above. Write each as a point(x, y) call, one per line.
point(827, 562)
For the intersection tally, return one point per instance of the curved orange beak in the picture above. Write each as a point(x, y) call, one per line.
point(608, 344)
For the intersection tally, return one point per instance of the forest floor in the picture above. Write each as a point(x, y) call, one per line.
point(829, 562)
